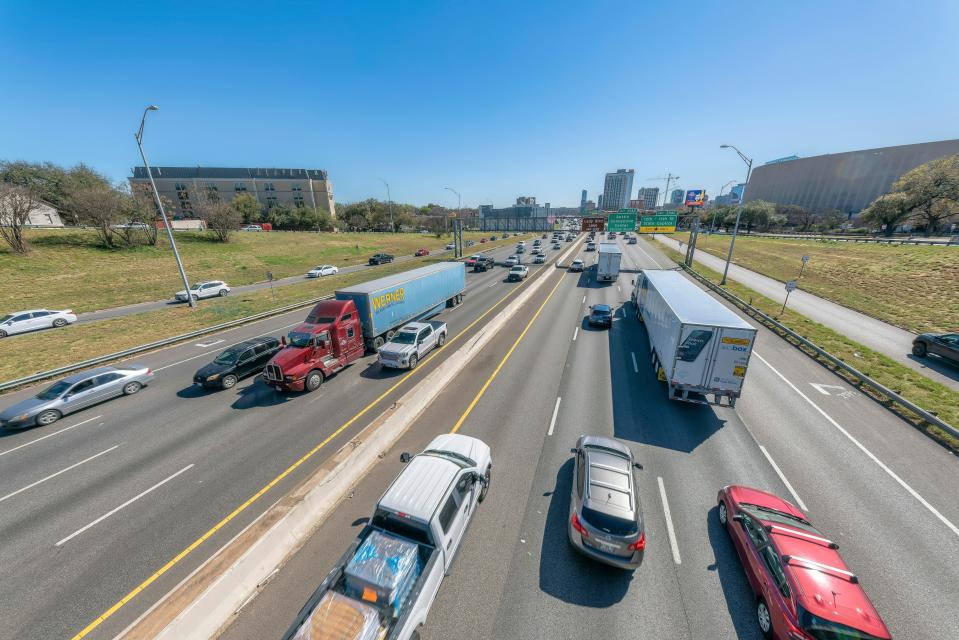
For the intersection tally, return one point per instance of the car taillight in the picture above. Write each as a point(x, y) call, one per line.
point(579, 526)
point(640, 544)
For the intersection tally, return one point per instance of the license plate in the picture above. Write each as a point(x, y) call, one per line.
point(603, 546)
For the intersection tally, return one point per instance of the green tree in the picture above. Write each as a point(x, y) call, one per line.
point(52, 183)
point(887, 211)
point(831, 220)
point(221, 218)
point(800, 217)
point(932, 191)
point(249, 209)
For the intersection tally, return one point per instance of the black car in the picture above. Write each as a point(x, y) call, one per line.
point(380, 258)
point(945, 346)
point(483, 263)
point(601, 314)
point(240, 360)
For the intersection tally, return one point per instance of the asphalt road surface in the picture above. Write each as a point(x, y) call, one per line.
point(879, 488)
point(880, 336)
point(95, 504)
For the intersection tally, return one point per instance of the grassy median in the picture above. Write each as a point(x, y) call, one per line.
point(29, 354)
point(913, 287)
point(67, 268)
point(912, 385)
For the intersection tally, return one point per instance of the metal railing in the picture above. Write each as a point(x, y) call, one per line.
point(952, 241)
point(855, 373)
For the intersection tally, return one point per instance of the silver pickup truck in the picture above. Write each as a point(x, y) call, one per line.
point(382, 588)
point(413, 341)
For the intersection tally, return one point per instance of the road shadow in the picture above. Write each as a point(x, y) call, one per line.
point(566, 574)
point(586, 326)
point(196, 391)
point(937, 364)
point(736, 590)
point(642, 412)
point(376, 371)
point(259, 394)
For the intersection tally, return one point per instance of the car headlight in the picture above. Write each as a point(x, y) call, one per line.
point(215, 376)
point(288, 378)
point(20, 418)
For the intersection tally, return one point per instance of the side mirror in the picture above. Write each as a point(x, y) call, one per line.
point(405, 457)
point(637, 465)
point(738, 517)
point(574, 450)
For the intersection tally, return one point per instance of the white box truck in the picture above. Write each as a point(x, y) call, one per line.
point(607, 263)
point(698, 346)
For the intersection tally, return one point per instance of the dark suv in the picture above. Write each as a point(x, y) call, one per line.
point(483, 263)
point(240, 360)
point(945, 346)
point(380, 258)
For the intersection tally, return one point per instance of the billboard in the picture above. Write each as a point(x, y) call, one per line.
point(593, 224)
point(696, 198)
point(663, 222)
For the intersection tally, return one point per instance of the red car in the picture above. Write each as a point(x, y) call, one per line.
point(422, 252)
point(804, 590)
point(482, 240)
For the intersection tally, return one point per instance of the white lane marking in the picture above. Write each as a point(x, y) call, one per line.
point(635, 366)
point(821, 388)
point(49, 435)
point(669, 522)
point(210, 344)
point(643, 251)
point(61, 471)
point(575, 333)
point(882, 465)
point(125, 504)
point(619, 288)
point(492, 285)
point(552, 422)
point(782, 476)
point(286, 326)
point(584, 299)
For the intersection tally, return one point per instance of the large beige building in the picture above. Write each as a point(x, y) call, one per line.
point(297, 187)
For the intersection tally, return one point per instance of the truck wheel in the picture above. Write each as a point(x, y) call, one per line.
point(489, 472)
point(313, 380)
point(413, 361)
point(378, 342)
point(390, 334)
point(441, 340)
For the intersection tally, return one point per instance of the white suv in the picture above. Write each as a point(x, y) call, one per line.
point(210, 289)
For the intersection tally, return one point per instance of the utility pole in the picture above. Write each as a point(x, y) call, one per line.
point(389, 199)
point(156, 194)
point(739, 209)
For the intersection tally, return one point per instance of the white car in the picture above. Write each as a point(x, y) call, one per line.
point(251, 227)
point(450, 247)
point(23, 321)
point(517, 273)
point(322, 270)
point(132, 225)
point(540, 258)
point(512, 261)
point(576, 265)
point(210, 289)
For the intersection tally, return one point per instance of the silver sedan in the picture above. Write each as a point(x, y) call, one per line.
point(74, 393)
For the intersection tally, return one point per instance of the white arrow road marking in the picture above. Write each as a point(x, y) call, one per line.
point(821, 388)
point(210, 344)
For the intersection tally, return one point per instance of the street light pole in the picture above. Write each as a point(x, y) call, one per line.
point(389, 199)
point(739, 209)
point(156, 195)
point(712, 225)
point(669, 178)
point(459, 202)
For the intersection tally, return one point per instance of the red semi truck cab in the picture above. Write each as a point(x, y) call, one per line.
point(329, 340)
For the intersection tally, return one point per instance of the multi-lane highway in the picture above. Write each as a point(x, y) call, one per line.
point(882, 490)
point(94, 506)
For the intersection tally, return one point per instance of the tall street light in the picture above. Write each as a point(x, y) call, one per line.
point(389, 199)
point(739, 209)
point(712, 225)
point(156, 195)
point(459, 201)
point(669, 178)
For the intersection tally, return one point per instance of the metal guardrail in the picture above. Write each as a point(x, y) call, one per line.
point(952, 241)
point(863, 378)
point(157, 344)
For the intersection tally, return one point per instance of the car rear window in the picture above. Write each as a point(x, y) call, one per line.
point(822, 629)
point(609, 524)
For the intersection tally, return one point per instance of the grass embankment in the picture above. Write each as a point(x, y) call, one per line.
point(912, 385)
point(913, 287)
point(69, 269)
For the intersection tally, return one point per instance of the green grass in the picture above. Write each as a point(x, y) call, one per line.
point(912, 385)
point(913, 287)
point(68, 269)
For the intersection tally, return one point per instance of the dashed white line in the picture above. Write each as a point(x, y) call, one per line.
point(575, 333)
point(125, 504)
point(892, 474)
point(669, 522)
point(286, 326)
point(782, 476)
point(552, 422)
point(584, 299)
point(61, 471)
point(635, 366)
point(49, 435)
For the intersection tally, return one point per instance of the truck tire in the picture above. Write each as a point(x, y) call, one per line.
point(378, 342)
point(413, 360)
point(441, 340)
point(313, 380)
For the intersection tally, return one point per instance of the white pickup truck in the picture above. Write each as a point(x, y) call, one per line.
point(383, 586)
point(413, 341)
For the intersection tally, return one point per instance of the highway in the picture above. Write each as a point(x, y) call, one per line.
point(879, 488)
point(96, 504)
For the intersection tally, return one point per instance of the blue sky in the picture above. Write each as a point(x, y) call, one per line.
point(495, 99)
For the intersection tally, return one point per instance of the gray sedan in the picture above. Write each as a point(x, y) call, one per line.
point(76, 392)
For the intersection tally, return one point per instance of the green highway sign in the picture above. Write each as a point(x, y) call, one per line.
point(663, 222)
point(624, 220)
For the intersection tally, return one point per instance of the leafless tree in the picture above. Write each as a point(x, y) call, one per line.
point(16, 203)
point(221, 217)
point(102, 208)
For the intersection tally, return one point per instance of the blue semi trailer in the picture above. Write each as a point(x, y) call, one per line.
point(384, 305)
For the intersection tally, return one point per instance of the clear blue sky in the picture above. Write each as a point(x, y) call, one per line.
point(495, 99)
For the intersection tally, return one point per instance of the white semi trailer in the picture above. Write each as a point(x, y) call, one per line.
point(698, 346)
point(607, 263)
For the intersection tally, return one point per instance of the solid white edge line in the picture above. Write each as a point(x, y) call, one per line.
point(669, 522)
point(782, 476)
point(575, 333)
point(635, 366)
point(49, 435)
point(869, 454)
point(61, 471)
point(125, 504)
point(552, 422)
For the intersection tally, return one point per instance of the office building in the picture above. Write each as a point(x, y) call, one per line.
point(182, 186)
point(617, 189)
point(649, 196)
point(590, 206)
point(599, 202)
point(847, 182)
point(525, 215)
point(677, 197)
point(582, 202)
point(731, 198)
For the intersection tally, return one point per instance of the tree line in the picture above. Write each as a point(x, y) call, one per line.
point(927, 196)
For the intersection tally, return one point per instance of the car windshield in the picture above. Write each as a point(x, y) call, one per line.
point(229, 356)
point(320, 319)
point(774, 515)
point(458, 458)
point(822, 629)
point(196, 286)
point(404, 337)
point(6, 317)
point(54, 391)
point(318, 268)
point(610, 524)
point(601, 312)
point(299, 339)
